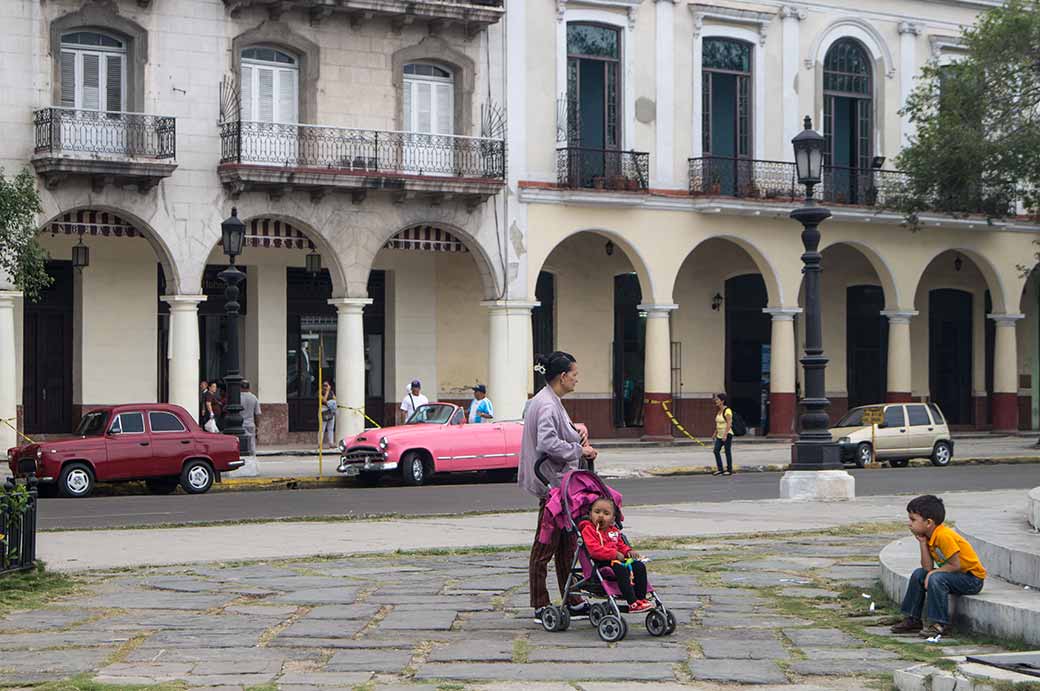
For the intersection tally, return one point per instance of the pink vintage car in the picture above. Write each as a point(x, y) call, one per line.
point(436, 439)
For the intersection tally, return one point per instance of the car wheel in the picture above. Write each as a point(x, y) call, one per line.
point(76, 480)
point(197, 477)
point(864, 455)
point(942, 454)
point(413, 469)
point(899, 463)
point(161, 485)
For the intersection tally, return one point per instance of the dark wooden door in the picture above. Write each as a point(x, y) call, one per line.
point(47, 356)
point(950, 353)
point(748, 331)
point(866, 345)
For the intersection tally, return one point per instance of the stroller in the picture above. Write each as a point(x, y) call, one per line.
point(565, 507)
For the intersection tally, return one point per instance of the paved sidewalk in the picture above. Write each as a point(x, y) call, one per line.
point(96, 549)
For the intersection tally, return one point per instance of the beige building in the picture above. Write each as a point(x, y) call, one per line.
point(485, 179)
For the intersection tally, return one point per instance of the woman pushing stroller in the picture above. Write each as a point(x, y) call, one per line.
point(607, 547)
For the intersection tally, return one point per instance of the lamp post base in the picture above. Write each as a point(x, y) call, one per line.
point(815, 455)
point(817, 485)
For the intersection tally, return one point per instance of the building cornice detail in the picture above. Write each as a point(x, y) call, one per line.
point(630, 5)
point(782, 314)
point(793, 12)
point(899, 316)
point(1006, 319)
point(909, 28)
point(759, 20)
point(942, 44)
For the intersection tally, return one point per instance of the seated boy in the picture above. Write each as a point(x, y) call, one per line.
point(949, 565)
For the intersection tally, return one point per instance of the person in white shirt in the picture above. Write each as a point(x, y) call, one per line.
point(480, 408)
point(412, 400)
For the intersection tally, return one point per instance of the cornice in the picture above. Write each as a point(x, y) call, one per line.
point(759, 20)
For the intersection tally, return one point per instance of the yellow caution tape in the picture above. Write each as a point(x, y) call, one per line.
point(678, 425)
point(361, 412)
point(7, 421)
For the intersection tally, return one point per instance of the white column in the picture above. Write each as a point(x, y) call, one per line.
point(509, 356)
point(657, 370)
point(783, 368)
point(183, 350)
point(900, 372)
point(350, 365)
point(8, 370)
point(790, 18)
point(1005, 353)
point(908, 33)
point(665, 123)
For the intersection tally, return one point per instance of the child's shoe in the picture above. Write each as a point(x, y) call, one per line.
point(640, 606)
point(908, 625)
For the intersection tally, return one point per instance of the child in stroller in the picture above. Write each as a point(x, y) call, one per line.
point(608, 548)
point(573, 500)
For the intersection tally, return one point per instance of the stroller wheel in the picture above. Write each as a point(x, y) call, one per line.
point(596, 612)
point(656, 623)
point(552, 618)
point(671, 624)
point(565, 619)
point(611, 629)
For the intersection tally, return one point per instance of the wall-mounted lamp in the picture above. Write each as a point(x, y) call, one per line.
point(877, 162)
point(609, 248)
point(958, 263)
point(716, 302)
point(80, 254)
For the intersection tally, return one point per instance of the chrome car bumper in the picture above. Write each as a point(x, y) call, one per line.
point(236, 464)
point(353, 468)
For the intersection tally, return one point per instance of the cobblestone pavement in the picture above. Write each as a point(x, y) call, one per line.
point(783, 612)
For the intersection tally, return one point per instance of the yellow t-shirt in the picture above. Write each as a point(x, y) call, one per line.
point(721, 420)
point(945, 542)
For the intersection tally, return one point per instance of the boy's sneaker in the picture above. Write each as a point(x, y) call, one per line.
point(640, 606)
point(908, 625)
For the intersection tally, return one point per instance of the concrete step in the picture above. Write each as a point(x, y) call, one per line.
point(1006, 543)
point(969, 676)
point(1033, 508)
point(1002, 609)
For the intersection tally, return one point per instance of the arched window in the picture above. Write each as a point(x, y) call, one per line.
point(429, 99)
point(93, 71)
point(848, 120)
point(726, 86)
point(269, 85)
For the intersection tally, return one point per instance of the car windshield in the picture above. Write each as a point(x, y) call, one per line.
point(431, 414)
point(854, 418)
point(92, 424)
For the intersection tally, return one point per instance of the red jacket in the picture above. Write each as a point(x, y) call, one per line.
point(603, 545)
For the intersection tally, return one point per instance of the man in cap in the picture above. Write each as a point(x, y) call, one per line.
point(412, 400)
point(480, 408)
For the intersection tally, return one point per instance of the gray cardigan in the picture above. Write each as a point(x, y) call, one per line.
point(547, 432)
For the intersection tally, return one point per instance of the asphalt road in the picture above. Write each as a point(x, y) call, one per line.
point(467, 494)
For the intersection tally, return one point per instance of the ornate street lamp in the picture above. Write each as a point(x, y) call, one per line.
point(232, 233)
point(80, 254)
point(814, 450)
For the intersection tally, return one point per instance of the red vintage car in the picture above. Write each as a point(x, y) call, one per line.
point(155, 442)
point(436, 439)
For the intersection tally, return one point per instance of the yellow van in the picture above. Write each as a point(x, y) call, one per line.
point(909, 430)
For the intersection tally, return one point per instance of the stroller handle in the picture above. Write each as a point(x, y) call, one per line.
point(582, 465)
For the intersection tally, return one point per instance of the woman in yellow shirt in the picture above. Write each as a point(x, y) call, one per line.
point(723, 434)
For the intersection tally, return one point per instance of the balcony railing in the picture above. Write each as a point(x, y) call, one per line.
point(70, 131)
point(366, 152)
point(724, 176)
point(579, 167)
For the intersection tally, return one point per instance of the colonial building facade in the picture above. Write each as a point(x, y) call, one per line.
point(435, 190)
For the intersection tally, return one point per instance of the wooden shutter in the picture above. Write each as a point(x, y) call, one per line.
point(424, 101)
point(68, 79)
point(406, 106)
point(265, 95)
point(114, 82)
point(444, 106)
point(91, 81)
point(245, 88)
point(287, 96)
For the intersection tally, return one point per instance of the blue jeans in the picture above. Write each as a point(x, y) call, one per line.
point(941, 585)
point(726, 444)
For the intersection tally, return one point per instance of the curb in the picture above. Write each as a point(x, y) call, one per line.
point(778, 467)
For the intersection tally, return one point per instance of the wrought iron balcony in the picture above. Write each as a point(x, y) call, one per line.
point(274, 156)
point(723, 176)
point(579, 167)
point(107, 146)
point(472, 15)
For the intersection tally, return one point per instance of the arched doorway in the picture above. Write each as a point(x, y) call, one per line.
point(950, 322)
point(848, 121)
point(748, 349)
point(866, 345)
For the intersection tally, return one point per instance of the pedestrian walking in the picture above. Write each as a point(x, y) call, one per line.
point(549, 433)
point(250, 412)
point(412, 400)
point(213, 408)
point(203, 389)
point(328, 416)
point(480, 408)
point(723, 434)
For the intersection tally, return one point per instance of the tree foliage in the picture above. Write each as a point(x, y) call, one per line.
point(21, 256)
point(977, 143)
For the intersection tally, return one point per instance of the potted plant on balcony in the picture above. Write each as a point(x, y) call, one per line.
point(618, 182)
point(715, 187)
point(599, 182)
point(632, 184)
